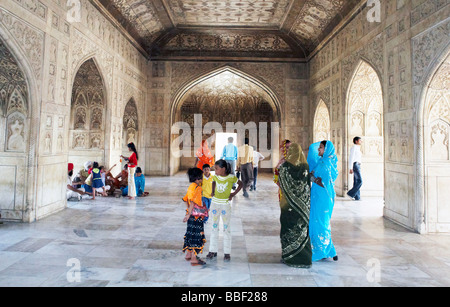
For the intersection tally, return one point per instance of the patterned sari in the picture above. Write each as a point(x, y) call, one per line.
point(295, 205)
point(322, 200)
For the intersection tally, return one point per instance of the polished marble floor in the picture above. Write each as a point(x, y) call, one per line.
point(121, 243)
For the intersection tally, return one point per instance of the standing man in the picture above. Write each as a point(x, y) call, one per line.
point(245, 165)
point(230, 155)
point(257, 156)
point(355, 168)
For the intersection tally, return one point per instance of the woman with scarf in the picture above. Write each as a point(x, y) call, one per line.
point(295, 185)
point(203, 156)
point(322, 162)
point(284, 147)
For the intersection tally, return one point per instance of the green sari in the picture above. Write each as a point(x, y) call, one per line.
point(295, 206)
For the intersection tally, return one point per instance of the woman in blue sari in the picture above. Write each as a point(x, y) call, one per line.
point(322, 162)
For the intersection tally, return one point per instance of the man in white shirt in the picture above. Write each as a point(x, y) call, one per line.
point(257, 156)
point(355, 168)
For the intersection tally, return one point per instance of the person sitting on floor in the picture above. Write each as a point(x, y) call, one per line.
point(72, 192)
point(139, 180)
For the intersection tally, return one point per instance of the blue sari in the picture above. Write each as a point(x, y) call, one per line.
point(322, 200)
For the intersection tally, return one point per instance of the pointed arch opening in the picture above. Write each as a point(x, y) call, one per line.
point(87, 117)
point(436, 149)
point(364, 118)
point(226, 95)
point(15, 135)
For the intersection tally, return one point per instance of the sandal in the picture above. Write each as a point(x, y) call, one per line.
point(211, 255)
point(199, 262)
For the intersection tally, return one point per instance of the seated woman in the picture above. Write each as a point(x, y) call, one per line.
point(121, 180)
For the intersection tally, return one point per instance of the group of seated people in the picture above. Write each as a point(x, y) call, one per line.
point(95, 180)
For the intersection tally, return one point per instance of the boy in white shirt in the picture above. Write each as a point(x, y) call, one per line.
point(355, 168)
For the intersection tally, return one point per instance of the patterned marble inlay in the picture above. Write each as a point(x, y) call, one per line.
point(228, 42)
point(314, 17)
point(229, 12)
point(166, 25)
point(141, 14)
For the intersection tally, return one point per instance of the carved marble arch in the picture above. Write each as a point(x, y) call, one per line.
point(322, 123)
point(438, 114)
point(365, 109)
point(88, 108)
point(224, 96)
point(247, 84)
point(364, 118)
point(130, 124)
point(227, 97)
point(14, 107)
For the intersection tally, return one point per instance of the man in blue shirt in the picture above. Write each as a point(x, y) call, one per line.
point(230, 154)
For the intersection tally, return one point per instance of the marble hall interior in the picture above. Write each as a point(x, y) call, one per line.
point(79, 80)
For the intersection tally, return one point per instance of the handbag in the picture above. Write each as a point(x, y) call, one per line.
point(199, 211)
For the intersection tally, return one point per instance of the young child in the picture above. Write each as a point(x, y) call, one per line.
point(105, 189)
point(194, 239)
point(207, 187)
point(139, 181)
point(221, 194)
point(96, 180)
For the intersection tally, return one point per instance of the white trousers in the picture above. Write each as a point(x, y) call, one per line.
point(216, 212)
point(131, 184)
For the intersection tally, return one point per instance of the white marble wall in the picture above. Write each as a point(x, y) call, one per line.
point(50, 49)
point(402, 48)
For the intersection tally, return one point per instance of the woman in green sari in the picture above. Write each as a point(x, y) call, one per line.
point(295, 205)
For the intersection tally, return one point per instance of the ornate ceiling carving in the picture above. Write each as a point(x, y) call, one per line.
point(285, 29)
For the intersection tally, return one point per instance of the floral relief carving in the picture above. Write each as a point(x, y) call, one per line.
point(322, 123)
point(28, 38)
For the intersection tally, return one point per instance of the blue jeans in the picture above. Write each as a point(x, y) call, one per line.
point(357, 182)
point(255, 176)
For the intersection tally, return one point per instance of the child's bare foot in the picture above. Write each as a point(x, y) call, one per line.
point(188, 256)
